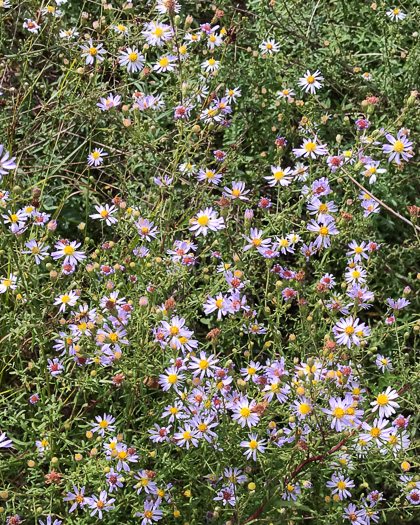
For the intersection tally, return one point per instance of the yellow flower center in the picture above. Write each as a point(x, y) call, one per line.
point(398, 146)
point(341, 485)
point(132, 57)
point(104, 214)
point(253, 444)
point(323, 208)
point(323, 230)
point(93, 51)
point(203, 364)
point(44, 443)
point(304, 408)
point(96, 155)
point(356, 274)
point(251, 371)
point(148, 514)
point(113, 337)
point(278, 175)
point(202, 427)
point(163, 62)
point(338, 413)
point(245, 412)
point(310, 79)
point(7, 283)
point(158, 32)
point(203, 220)
point(122, 454)
point(212, 61)
point(65, 299)
point(173, 378)
point(14, 218)
point(186, 435)
point(396, 11)
point(382, 400)
point(256, 242)
point(375, 432)
point(103, 423)
point(349, 330)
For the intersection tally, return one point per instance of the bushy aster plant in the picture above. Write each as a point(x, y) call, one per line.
point(209, 269)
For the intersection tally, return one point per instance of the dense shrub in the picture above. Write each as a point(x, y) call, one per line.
point(209, 262)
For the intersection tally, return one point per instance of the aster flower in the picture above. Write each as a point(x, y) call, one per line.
point(286, 93)
point(356, 517)
point(186, 436)
point(279, 175)
point(157, 33)
point(324, 229)
point(165, 63)
point(7, 283)
point(243, 413)
point(358, 250)
point(360, 295)
point(399, 304)
point(383, 363)
point(311, 81)
point(105, 213)
point(341, 486)
point(399, 148)
point(146, 230)
point(338, 411)
point(151, 512)
point(292, 491)
point(334, 162)
point(385, 403)
point(68, 299)
point(253, 446)
point(96, 158)
point(132, 59)
point(103, 423)
point(355, 275)
point(203, 365)
point(91, 51)
point(31, 25)
point(269, 46)
point(210, 65)
point(302, 407)
point(413, 497)
point(377, 432)
point(255, 240)
point(237, 191)
point(171, 378)
point(206, 220)
point(110, 102)
point(226, 495)
point(69, 252)
point(101, 504)
point(55, 366)
point(396, 14)
point(371, 169)
point(231, 94)
point(348, 331)
point(310, 148)
point(5, 442)
point(210, 176)
point(6, 163)
point(77, 498)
